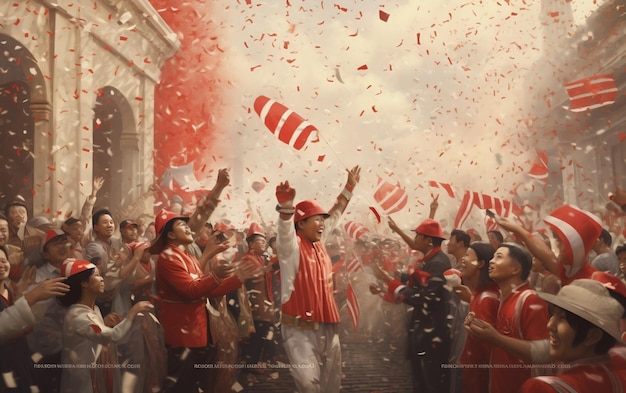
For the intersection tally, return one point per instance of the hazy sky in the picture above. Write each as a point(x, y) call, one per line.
point(440, 97)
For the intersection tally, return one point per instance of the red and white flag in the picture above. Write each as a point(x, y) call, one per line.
point(285, 124)
point(354, 309)
point(490, 224)
point(353, 265)
point(539, 170)
point(501, 207)
point(355, 230)
point(391, 198)
point(447, 187)
point(591, 92)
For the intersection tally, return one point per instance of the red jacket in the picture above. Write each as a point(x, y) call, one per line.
point(521, 315)
point(183, 290)
point(606, 374)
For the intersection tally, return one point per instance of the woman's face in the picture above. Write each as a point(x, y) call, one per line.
point(470, 265)
point(95, 284)
point(5, 266)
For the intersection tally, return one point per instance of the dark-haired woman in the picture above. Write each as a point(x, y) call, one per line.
point(89, 354)
point(482, 294)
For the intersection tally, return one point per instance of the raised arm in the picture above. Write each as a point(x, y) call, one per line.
point(87, 210)
point(535, 245)
point(354, 176)
point(405, 236)
point(204, 210)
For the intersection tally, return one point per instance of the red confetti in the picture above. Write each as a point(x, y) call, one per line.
point(373, 209)
point(419, 35)
point(321, 158)
point(622, 136)
point(383, 15)
point(122, 38)
point(362, 68)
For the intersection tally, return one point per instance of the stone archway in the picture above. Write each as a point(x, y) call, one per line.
point(24, 114)
point(115, 148)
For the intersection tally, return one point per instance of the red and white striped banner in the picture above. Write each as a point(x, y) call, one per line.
point(501, 207)
point(285, 124)
point(391, 198)
point(591, 92)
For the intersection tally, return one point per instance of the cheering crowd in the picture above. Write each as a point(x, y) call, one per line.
point(179, 302)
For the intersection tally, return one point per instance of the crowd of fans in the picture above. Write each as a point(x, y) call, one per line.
point(178, 302)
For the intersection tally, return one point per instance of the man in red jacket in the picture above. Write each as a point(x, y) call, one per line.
point(310, 316)
point(183, 290)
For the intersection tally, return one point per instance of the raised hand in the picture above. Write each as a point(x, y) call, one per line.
point(223, 178)
point(98, 182)
point(285, 194)
point(354, 176)
point(46, 290)
point(139, 307)
point(247, 269)
point(223, 270)
point(392, 224)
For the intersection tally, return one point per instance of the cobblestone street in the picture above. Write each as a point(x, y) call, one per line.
point(370, 365)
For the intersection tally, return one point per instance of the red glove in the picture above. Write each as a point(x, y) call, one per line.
point(284, 193)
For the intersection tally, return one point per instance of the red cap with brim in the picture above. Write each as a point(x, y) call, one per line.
point(430, 228)
point(74, 266)
point(158, 244)
point(306, 209)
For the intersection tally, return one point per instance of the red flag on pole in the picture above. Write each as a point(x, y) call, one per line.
point(591, 92)
point(354, 309)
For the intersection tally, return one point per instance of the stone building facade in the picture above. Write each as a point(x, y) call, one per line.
point(77, 81)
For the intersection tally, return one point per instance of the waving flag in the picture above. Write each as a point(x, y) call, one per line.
point(539, 170)
point(285, 124)
point(490, 224)
point(355, 230)
point(591, 92)
point(354, 309)
point(353, 265)
point(501, 207)
point(447, 187)
point(391, 198)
